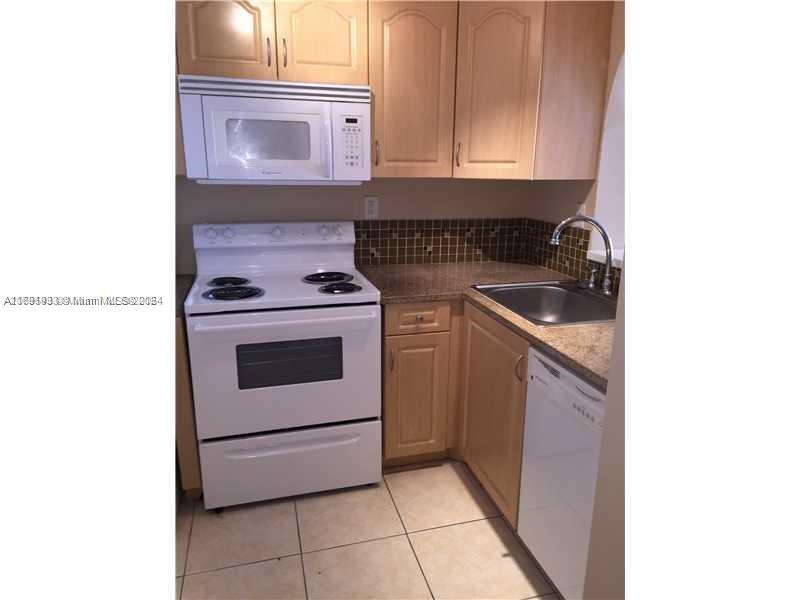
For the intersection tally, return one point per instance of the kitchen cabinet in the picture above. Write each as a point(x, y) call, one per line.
point(185, 434)
point(322, 42)
point(415, 393)
point(530, 89)
point(497, 90)
point(577, 41)
point(226, 39)
point(412, 67)
point(494, 389)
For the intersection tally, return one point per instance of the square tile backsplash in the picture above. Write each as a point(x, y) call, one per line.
point(432, 241)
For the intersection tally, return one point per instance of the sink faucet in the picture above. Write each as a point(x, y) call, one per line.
point(554, 241)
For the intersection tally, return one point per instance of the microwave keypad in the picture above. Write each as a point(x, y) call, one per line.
point(352, 145)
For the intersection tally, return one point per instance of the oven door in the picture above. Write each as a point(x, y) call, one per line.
point(265, 371)
point(256, 138)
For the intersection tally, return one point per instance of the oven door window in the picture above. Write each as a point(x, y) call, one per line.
point(288, 363)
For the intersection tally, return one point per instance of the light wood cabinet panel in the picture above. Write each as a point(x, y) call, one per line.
point(572, 98)
point(185, 434)
point(495, 363)
point(412, 75)
point(415, 393)
point(323, 42)
point(227, 39)
point(425, 317)
point(497, 89)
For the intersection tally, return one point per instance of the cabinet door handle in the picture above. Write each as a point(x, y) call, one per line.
point(458, 154)
point(285, 54)
point(269, 53)
point(377, 152)
point(391, 359)
point(516, 367)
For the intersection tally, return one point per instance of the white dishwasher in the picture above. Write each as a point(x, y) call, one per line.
point(563, 424)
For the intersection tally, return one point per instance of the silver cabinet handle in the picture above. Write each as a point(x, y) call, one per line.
point(419, 318)
point(516, 367)
point(458, 154)
point(377, 152)
point(391, 359)
point(269, 53)
point(285, 54)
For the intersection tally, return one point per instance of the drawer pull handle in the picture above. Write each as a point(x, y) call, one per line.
point(289, 447)
point(419, 318)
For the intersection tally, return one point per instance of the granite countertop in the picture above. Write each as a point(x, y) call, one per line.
point(182, 285)
point(583, 349)
point(447, 281)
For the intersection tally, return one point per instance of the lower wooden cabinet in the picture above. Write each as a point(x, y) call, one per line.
point(494, 388)
point(416, 380)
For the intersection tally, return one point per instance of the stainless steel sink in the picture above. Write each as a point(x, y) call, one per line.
point(552, 302)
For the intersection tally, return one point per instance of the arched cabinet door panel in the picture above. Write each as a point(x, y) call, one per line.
point(322, 42)
point(497, 89)
point(412, 76)
point(227, 39)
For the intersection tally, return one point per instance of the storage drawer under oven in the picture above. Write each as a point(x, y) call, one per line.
point(286, 464)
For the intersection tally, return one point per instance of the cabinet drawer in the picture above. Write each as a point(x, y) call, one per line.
point(417, 318)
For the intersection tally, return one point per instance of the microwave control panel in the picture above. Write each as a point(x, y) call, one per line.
point(351, 146)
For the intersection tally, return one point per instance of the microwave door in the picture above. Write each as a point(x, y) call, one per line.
point(252, 138)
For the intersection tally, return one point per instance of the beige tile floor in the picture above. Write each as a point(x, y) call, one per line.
point(427, 532)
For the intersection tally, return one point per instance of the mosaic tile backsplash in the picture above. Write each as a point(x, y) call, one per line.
point(431, 241)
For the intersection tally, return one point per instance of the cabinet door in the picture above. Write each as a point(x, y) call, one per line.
point(415, 393)
point(323, 42)
point(494, 407)
point(497, 89)
point(226, 39)
point(412, 75)
point(577, 41)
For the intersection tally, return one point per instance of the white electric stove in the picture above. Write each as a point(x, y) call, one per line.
point(284, 345)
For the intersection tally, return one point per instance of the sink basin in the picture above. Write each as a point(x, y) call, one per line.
point(552, 302)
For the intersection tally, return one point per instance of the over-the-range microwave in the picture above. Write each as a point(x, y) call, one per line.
point(274, 132)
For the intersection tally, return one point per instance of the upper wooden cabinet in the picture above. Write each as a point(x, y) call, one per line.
point(577, 39)
point(495, 367)
point(497, 90)
point(412, 67)
point(227, 39)
point(323, 42)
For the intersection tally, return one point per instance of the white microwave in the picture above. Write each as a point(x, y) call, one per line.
point(249, 131)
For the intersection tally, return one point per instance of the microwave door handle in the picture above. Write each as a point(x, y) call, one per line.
point(243, 327)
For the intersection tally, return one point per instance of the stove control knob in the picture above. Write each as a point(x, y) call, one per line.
point(278, 232)
point(324, 231)
point(228, 233)
point(210, 233)
point(338, 231)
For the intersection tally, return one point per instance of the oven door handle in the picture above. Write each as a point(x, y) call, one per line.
point(247, 326)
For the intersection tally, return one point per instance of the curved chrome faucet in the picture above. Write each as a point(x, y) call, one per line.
point(554, 241)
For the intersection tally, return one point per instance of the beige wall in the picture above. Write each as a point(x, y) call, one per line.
point(605, 571)
point(398, 199)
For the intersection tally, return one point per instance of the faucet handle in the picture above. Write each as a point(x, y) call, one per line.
point(593, 278)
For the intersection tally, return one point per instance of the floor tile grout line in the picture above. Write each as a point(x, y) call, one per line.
point(408, 539)
point(300, 544)
point(378, 539)
point(188, 546)
point(244, 564)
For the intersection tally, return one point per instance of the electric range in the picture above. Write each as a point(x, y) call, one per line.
point(284, 341)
